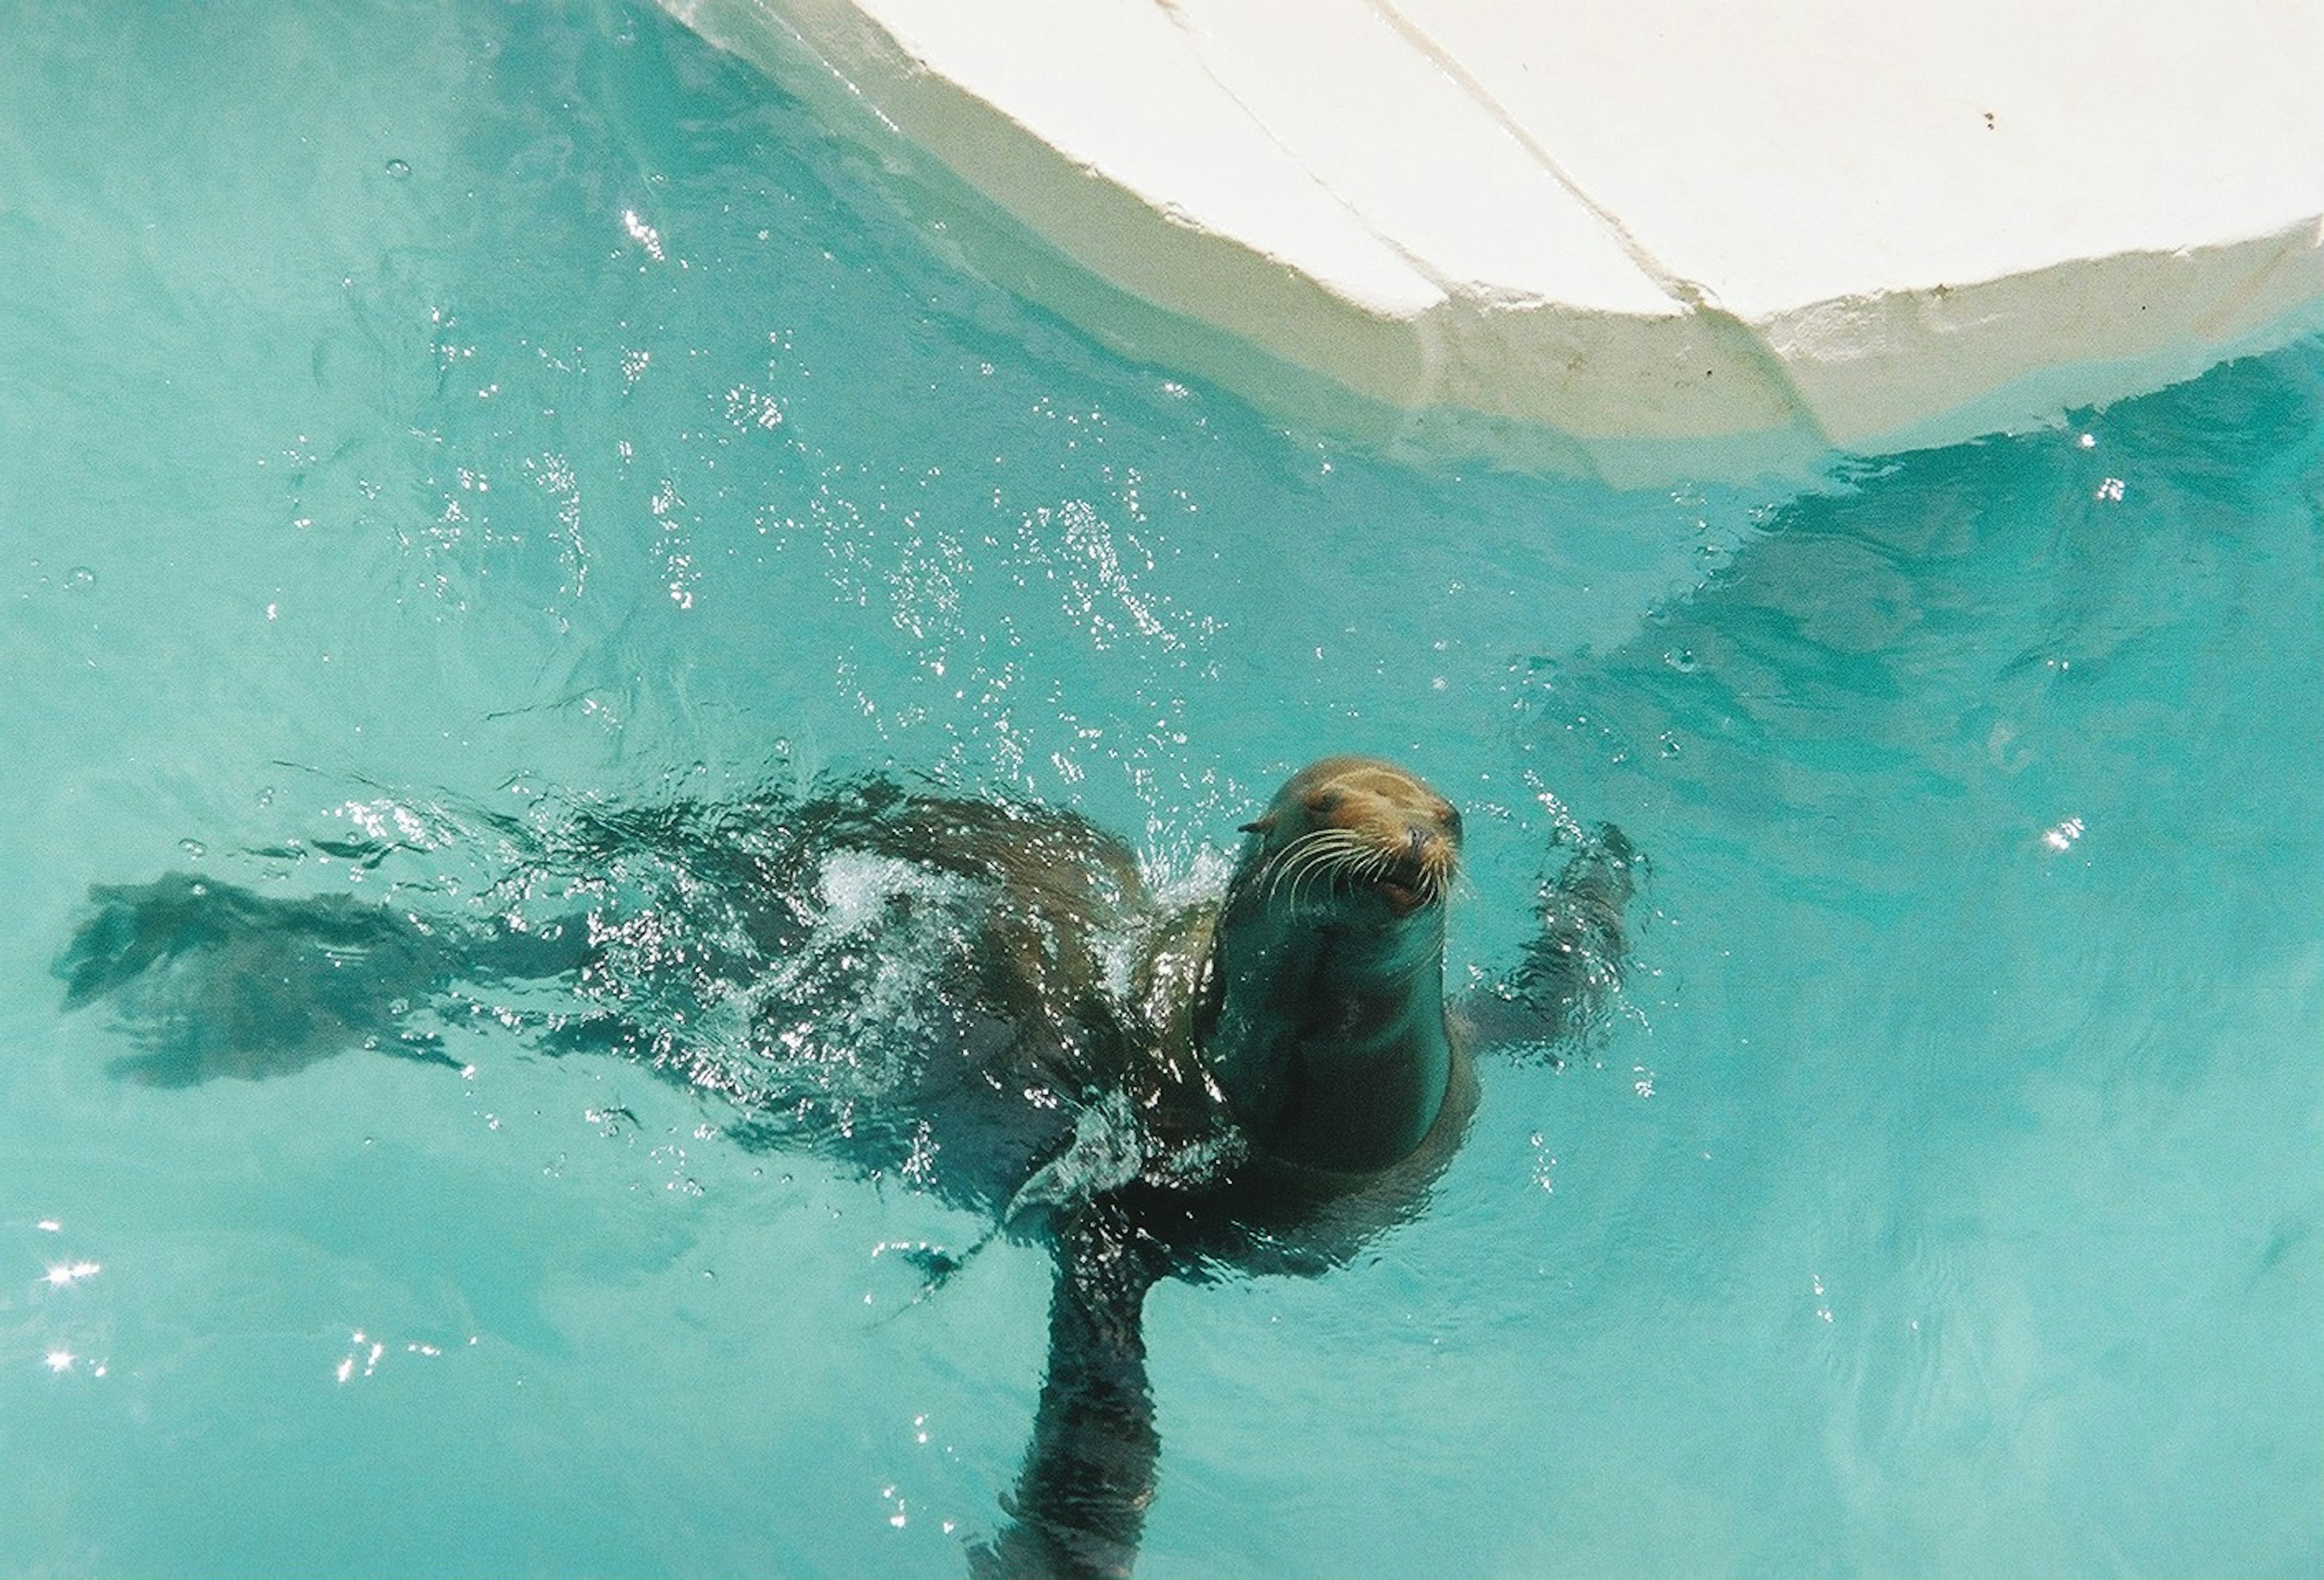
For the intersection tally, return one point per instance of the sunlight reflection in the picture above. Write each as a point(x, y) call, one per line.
point(2061, 835)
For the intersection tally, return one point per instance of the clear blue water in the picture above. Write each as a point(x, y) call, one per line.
point(413, 413)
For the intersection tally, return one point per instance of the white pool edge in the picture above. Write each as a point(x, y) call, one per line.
point(1644, 380)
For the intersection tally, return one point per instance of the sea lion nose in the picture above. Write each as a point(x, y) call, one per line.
point(1425, 850)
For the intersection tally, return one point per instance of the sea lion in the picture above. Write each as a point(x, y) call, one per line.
point(1308, 1003)
point(982, 996)
point(1322, 1011)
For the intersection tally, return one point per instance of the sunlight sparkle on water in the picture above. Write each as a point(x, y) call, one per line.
point(644, 234)
point(370, 1361)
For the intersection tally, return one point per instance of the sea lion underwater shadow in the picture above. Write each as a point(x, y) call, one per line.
point(982, 997)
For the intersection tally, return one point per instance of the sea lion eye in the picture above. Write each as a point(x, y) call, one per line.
point(1322, 803)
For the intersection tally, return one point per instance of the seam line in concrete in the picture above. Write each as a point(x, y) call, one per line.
point(1197, 44)
point(1688, 293)
point(1431, 354)
point(1671, 283)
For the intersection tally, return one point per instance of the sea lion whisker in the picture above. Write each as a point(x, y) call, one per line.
point(1305, 855)
point(1270, 874)
point(1276, 869)
point(1282, 870)
point(1355, 869)
point(1348, 856)
point(1316, 858)
point(1303, 846)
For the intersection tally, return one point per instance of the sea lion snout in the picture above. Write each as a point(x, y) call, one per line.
point(1421, 871)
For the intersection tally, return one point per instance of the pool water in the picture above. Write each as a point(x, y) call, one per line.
point(418, 421)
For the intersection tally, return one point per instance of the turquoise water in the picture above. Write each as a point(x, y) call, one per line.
point(418, 415)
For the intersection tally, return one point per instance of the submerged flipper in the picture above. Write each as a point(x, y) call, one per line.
point(1081, 1498)
point(1573, 965)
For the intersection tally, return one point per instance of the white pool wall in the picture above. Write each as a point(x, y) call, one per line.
point(1865, 225)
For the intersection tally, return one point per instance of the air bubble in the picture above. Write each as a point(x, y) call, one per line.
point(80, 578)
point(397, 170)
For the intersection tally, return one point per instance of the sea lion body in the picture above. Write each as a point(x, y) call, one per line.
point(1293, 1086)
point(981, 996)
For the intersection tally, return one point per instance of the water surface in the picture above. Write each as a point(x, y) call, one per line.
point(425, 414)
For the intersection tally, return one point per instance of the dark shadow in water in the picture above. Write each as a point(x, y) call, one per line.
point(977, 997)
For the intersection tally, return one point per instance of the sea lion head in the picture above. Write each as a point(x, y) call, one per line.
point(1350, 832)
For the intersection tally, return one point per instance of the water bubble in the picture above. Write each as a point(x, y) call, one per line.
point(1682, 659)
point(194, 848)
point(80, 578)
point(1670, 744)
point(398, 170)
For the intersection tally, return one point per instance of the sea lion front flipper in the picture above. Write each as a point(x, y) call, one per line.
point(1569, 969)
point(1081, 1498)
point(1104, 1152)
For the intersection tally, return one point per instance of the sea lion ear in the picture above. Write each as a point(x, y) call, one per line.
point(1258, 825)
